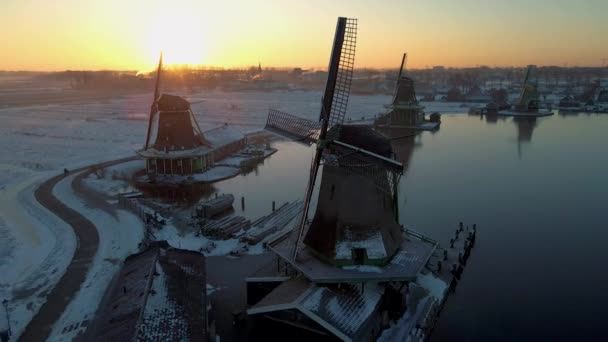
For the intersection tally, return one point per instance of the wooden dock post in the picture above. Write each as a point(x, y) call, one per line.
point(243, 203)
point(273, 205)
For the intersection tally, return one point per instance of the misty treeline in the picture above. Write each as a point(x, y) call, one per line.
point(461, 80)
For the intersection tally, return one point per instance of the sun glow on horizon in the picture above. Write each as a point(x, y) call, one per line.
point(180, 36)
point(128, 35)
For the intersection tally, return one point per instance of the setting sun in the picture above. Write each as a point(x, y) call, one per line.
point(181, 37)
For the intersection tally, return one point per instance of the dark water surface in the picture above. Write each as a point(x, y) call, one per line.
point(538, 193)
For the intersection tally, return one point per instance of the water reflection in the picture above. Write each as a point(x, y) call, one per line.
point(525, 128)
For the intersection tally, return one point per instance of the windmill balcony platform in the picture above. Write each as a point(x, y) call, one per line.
point(405, 265)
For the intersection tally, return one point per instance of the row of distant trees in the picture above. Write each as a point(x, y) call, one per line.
point(187, 77)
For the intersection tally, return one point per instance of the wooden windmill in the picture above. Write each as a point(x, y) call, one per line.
point(179, 146)
point(528, 99)
point(356, 217)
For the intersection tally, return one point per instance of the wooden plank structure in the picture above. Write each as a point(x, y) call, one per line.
point(278, 220)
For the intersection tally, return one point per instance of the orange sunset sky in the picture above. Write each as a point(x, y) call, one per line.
point(113, 34)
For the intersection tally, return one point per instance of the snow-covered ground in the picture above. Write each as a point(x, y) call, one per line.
point(40, 141)
point(204, 245)
point(35, 246)
point(114, 179)
point(118, 237)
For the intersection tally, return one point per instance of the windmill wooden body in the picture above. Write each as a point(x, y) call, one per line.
point(529, 98)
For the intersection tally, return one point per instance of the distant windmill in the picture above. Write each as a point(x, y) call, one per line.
point(357, 200)
point(405, 111)
point(528, 99)
point(179, 145)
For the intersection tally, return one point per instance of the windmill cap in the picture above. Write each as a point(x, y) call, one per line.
point(366, 138)
point(168, 102)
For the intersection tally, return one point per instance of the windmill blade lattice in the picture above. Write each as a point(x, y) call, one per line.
point(293, 127)
point(344, 77)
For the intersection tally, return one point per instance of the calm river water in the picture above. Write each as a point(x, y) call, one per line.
point(538, 193)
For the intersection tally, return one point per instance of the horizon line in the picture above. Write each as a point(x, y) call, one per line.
point(319, 68)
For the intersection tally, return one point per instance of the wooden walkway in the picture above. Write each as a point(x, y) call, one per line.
point(41, 325)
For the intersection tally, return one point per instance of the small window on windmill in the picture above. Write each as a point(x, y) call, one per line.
point(331, 194)
point(359, 255)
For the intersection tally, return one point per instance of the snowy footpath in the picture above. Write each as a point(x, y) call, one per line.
point(118, 237)
point(35, 247)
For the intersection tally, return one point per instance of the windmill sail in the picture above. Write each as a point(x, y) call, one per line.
point(337, 91)
point(399, 77)
point(153, 107)
point(340, 72)
point(293, 127)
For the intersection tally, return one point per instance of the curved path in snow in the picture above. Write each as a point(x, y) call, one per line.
point(41, 325)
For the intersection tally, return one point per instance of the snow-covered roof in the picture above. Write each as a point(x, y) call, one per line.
point(159, 294)
point(372, 243)
point(347, 308)
point(223, 135)
point(177, 309)
point(342, 311)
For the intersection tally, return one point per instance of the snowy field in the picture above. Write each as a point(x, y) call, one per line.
point(40, 141)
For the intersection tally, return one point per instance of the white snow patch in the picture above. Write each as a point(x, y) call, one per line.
point(114, 179)
point(363, 268)
point(372, 243)
point(433, 284)
point(192, 242)
point(405, 328)
point(235, 161)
